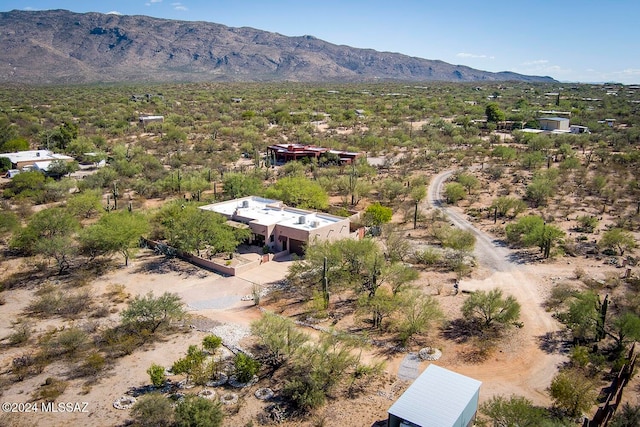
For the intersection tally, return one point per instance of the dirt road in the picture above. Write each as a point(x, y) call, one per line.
point(531, 371)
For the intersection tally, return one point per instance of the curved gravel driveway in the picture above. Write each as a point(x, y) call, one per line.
point(533, 374)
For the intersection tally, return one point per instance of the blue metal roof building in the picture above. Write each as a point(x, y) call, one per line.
point(437, 398)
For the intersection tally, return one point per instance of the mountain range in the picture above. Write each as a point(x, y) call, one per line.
point(63, 47)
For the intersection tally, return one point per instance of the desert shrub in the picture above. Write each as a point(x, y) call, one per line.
point(22, 330)
point(457, 262)
point(120, 341)
point(579, 357)
point(558, 295)
point(211, 343)
point(454, 192)
point(573, 392)
point(428, 257)
point(55, 302)
point(191, 363)
point(50, 390)
point(304, 392)
point(514, 411)
point(245, 367)
point(21, 366)
point(196, 411)
point(627, 415)
point(102, 311)
point(460, 240)
point(92, 365)
point(117, 293)
point(494, 172)
point(153, 410)
point(587, 224)
point(203, 372)
point(157, 375)
point(68, 342)
point(150, 312)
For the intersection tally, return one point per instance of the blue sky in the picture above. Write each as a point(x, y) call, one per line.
point(569, 40)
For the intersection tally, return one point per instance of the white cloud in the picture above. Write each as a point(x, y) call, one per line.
point(542, 67)
point(179, 6)
point(29, 8)
point(474, 56)
point(626, 76)
point(114, 12)
point(629, 72)
point(535, 62)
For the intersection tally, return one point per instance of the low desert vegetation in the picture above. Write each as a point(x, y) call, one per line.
point(549, 198)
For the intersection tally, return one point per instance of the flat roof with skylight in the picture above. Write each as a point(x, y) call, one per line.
point(269, 212)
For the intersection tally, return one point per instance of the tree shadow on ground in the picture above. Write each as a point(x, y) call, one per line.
point(554, 342)
point(26, 279)
point(166, 265)
point(524, 257)
point(461, 331)
point(78, 274)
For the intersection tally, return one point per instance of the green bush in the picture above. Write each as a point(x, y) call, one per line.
point(92, 365)
point(211, 343)
point(304, 392)
point(196, 411)
point(454, 192)
point(50, 390)
point(429, 257)
point(157, 375)
point(245, 367)
point(22, 331)
point(153, 410)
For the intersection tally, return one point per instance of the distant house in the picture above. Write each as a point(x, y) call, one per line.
point(34, 159)
point(145, 120)
point(579, 129)
point(283, 153)
point(280, 227)
point(554, 124)
point(438, 397)
point(608, 122)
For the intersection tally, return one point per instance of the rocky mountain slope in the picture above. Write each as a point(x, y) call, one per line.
point(58, 46)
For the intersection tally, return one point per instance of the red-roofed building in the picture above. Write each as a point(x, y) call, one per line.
point(282, 153)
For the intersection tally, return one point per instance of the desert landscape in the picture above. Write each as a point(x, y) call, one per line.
point(520, 365)
point(444, 211)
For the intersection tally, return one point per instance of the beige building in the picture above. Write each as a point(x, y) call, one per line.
point(280, 227)
point(554, 124)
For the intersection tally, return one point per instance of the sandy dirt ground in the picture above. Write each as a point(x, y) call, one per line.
point(523, 364)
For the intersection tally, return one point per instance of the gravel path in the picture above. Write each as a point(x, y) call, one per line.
point(523, 282)
point(409, 367)
point(488, 251)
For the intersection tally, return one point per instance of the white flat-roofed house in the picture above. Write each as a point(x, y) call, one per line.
point(437, 398)
point(34, 159)
point(280, 227)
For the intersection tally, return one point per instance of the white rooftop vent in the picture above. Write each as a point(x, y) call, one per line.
point(302, 219)
point(314, 224)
